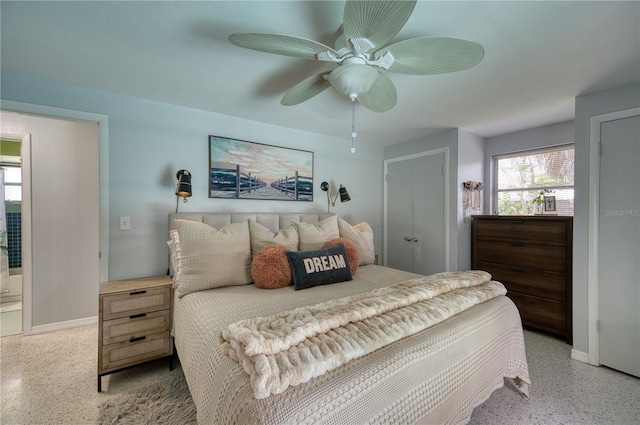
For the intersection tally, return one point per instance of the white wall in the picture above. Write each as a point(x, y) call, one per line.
point(470, 167)
point(149, 141)
point(588, 105)
point(63, 197)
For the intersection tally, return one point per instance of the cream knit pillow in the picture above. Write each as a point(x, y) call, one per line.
point(262, 237)
point(209, 258)
point(314, 236)
point(362, 237)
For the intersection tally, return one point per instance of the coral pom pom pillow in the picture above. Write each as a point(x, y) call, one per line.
point(270, 268)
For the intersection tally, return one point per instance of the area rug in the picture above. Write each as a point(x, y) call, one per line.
point(168, 403)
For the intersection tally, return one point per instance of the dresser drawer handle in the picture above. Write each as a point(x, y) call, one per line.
point(140, 338)
point(135, 316)
point(511, 294)
point(517, 244)
point(137, 292)
point(514, 221)
point(516, 269)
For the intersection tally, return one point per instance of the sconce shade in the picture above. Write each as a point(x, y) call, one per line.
point(344, 195)
point(183, 188)
point(331, 199)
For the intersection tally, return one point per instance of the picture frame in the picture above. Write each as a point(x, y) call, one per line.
point(549, 203)
point(239, 169)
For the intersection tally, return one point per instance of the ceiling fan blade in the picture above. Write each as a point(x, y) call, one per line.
point(432, 55)
point(377, 21)
point(306, 89)
point(382, 95)
point(287, 45)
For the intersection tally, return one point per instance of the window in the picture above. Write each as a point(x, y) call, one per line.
point(12, 184)
point(519, 178)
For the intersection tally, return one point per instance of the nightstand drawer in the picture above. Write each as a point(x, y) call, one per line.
point(136, 350)
point(143, 324)
point(135, 302)
point(513, 228)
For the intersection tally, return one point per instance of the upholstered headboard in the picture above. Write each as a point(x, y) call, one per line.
point(272, 221)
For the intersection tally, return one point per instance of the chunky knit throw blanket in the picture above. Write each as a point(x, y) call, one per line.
point(290, 348)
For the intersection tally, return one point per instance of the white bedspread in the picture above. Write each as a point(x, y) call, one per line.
point(434, 376)
point(292, 347)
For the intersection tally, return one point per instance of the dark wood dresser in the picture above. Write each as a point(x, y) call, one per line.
point(532, 257)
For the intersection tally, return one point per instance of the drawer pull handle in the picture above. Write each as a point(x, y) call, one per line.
point(140, 338)
point(135, 316)
point(511, 294)
point(137, 292)
point(517, 244)
point(514, 221)
point(516, 269)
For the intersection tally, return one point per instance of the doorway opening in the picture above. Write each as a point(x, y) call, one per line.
point(10, 237)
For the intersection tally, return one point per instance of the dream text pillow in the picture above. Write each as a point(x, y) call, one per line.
point(320, 267)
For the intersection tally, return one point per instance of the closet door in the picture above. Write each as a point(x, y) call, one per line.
point(414, 213)
point(399, 209)
point(428, 214)
point(619, 245)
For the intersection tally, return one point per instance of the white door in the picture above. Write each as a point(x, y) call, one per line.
point(414, 213)
point(619, 247)
point(428, 214)
point(399, 207)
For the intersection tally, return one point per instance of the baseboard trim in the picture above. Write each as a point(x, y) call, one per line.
point(580, 356)
point(58, 326)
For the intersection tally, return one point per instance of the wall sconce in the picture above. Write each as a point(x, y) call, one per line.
point(342, 192)
point(183, 188)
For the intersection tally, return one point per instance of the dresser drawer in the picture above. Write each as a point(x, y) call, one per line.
point(541, 314)
point(553, 232)
point(135, 302)
point(523, 254)
point(138, 350)
point(552, 286)
point(143, 324)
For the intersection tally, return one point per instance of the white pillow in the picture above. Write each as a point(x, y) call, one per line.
point(362, 237)
point(314, 236)
point(172, 254)
point(209, 258)
point(262, 237)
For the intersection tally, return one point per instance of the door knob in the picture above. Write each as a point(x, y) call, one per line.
point(414, 239)
point(407, 238)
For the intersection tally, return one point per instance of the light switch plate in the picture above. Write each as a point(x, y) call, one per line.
point(125, 223)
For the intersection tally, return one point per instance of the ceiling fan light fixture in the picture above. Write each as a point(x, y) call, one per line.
point(353, 79)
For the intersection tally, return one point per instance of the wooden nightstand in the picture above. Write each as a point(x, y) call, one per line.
point(134, 323)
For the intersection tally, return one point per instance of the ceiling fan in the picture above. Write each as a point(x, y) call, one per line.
point(362, 55)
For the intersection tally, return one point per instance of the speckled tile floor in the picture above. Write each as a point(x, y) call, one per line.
point(51, 379)
point(563, 391)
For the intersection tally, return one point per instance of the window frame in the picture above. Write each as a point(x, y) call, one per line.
point(12, 184)
point(527, 152)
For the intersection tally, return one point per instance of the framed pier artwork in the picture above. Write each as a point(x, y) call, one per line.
point(247, 170)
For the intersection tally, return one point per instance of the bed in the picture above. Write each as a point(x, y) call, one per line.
point(434, 376)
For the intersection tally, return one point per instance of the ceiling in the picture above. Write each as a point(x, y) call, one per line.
point(539, 55)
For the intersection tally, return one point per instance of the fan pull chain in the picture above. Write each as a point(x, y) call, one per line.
point(354, 134)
